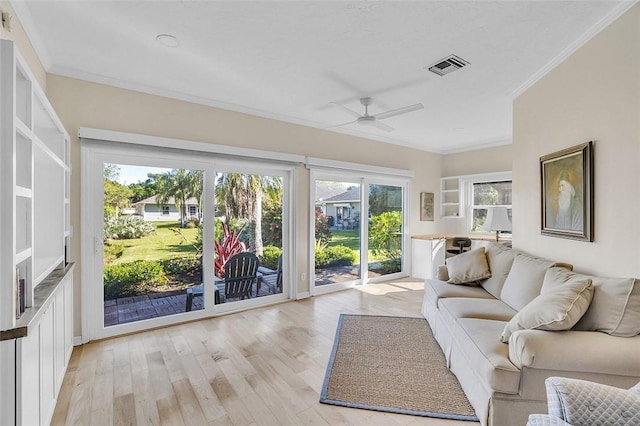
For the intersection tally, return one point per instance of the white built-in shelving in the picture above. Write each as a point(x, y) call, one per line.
point(451, 197)
point(34, 243)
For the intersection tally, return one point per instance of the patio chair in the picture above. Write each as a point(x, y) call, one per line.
point(274, 280)
point(240, 272)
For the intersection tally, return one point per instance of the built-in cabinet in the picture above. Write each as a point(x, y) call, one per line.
point(36, 289)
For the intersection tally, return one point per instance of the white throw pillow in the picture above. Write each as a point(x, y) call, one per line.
point(559, 307)
point(468, 267)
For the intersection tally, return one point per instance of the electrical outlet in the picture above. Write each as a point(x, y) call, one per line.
point(303, 276)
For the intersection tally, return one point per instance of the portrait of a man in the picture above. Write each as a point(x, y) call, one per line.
point(568, 205)
point(567, 192)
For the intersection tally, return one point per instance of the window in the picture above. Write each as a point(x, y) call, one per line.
point(486, 194)
point(165, 210)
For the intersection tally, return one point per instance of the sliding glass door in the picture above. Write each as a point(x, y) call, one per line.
point(385, 229)
point(170, 236)
point(337, 232)
point(356, 221)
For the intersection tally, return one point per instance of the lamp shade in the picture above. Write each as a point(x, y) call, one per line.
point(497, 220)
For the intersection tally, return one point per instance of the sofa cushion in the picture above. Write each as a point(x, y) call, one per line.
point(615, 308)
point(558, 307)
point(468, 267)
point(463, 307)
point(478, 340)
point(525, 279)
point(500, 259)
point(435, 290)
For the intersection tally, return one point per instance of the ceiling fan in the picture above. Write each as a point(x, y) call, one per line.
point(374, 120)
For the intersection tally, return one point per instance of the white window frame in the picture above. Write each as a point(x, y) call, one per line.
point(468, 182)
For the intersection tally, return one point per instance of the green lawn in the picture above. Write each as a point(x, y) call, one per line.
point(351, 238)
point(162, 244)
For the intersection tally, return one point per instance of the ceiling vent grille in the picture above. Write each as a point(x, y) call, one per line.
point(448, 65)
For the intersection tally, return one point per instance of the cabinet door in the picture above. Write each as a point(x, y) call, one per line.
point(59, 342)
point(68, 319)
point(28, 380)
point(47, 367)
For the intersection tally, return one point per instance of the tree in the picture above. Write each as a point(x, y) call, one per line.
point(242, 196)
point(116, 195)
point(142, 190)
point(383, 198)
point(180, 185)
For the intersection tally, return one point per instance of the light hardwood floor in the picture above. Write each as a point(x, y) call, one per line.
point(260, 367)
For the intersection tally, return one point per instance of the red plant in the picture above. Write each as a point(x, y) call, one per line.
point(229, 246)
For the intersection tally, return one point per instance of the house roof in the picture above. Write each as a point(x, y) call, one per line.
point(326, 190)
point(352, 195)
point(171, 200)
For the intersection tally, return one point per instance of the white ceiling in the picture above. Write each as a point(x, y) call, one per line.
point(288, 60)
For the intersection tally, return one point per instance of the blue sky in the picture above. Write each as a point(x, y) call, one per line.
point(134, 174)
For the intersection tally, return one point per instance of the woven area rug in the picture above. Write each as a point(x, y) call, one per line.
point(392, 364)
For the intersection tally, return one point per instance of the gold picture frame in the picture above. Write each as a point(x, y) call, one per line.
point(567, 193)
point(426, 206)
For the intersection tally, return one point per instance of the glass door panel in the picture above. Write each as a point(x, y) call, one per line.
point(385, 230)
point(337, 232)
point(152, 244)
point(249, 224)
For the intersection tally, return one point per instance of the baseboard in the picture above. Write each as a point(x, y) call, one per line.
point(77, 341)
point(303, 295)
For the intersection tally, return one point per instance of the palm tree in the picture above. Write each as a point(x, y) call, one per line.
point(181, 185)
point(242, 197)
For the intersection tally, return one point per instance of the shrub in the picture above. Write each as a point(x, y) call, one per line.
point(322, 231)
point(270, 256)
point(384, 235)
point(181, 265)
point(272, 226)
point(334, 256)
point(125, 279)
point(228, 246)
point(192, 223)
point(112, 251)
point(126, 227)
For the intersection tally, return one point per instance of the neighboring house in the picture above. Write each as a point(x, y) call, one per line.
point(343, 209)
point(151, 211)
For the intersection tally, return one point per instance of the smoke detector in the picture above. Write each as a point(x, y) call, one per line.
point(448, 65)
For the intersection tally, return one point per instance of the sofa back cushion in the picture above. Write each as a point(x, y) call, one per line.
point(500, 259)
point(615, 308)
point(525, 279)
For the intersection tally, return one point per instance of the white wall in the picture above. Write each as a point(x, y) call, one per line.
point(593, 95)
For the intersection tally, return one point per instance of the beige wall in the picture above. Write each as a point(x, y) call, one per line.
point(83, 104)
point(488, 160)
point(593, 95)
point(18, 35)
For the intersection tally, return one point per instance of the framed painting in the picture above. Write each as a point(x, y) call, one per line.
point(567, 193)
point(426, 206)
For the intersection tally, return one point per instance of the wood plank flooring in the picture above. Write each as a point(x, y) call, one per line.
point(260, 367)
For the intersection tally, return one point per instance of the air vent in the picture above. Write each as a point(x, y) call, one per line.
point(448, 65)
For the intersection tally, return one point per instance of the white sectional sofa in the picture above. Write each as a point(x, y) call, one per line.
point(553, 323)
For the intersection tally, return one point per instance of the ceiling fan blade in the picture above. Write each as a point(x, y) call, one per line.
point(381, 126)
point(347, 110)
point(343, 124)
point(398, 111)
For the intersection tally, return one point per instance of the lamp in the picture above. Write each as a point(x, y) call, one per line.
point(497, 220)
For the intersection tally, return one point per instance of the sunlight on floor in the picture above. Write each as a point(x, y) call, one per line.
point(381, 289)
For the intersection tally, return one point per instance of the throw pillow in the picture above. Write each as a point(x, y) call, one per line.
point(558, 308)
point(468, 267)
point(500, 259)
